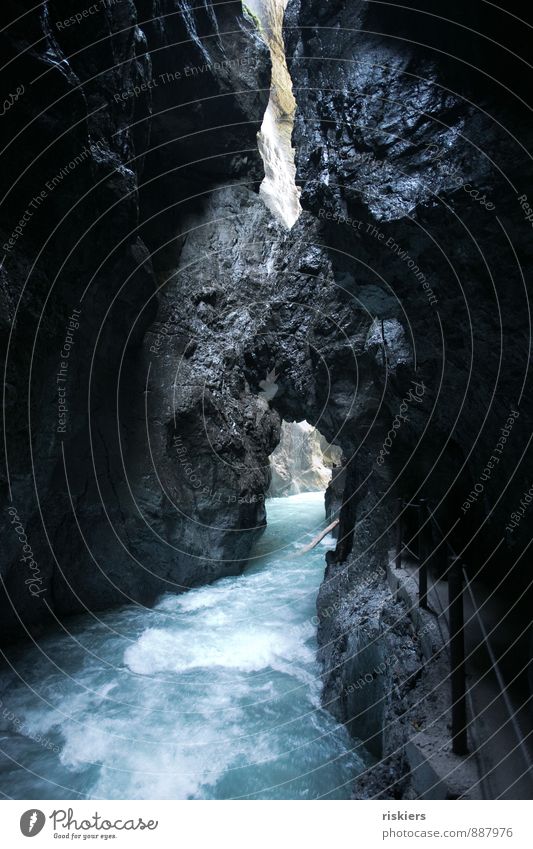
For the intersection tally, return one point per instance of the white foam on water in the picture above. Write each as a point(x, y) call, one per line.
point(212, 694)
point(247, 650)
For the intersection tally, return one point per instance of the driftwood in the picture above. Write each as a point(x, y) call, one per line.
point(317, 539)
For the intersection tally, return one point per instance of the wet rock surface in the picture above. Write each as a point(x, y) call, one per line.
point(181, 322)
point(412, 163)
point(116, 107)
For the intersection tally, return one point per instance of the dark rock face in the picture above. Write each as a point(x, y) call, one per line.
point(150, 285)
point(413, 163)
point(200, 447)
point(112, 110)
point(333, 495)
point(211, 84)
point(384, 142)
point(371, 663)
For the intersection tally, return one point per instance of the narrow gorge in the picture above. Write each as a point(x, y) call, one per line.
point(265, 266)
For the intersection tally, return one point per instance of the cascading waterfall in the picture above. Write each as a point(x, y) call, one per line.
point(278, 190)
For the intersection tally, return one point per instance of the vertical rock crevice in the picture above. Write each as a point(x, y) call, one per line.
point(278, 189)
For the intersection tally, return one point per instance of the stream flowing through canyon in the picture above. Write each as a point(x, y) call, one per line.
point(213, 694)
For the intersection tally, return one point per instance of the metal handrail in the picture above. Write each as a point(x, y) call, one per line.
point(500, 679)
point(456, 630)
point(485, 637)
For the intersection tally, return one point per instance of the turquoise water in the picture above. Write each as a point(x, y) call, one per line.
point(213, 694)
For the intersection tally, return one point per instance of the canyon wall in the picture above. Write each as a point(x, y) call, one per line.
point(411, 137)
point(123, 122)
point(159, 322)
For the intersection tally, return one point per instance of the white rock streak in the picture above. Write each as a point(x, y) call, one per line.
point(278, 189)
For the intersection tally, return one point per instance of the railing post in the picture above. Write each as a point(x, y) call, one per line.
point(424, 553)
point(417, 548)
point(399, 535)
point(457, 656)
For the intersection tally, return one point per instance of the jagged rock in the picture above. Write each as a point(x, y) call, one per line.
point(394, 279)
point(106, 115)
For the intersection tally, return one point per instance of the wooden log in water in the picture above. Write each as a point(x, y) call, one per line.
point(317, 539)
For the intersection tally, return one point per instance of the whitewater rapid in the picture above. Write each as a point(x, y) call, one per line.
point(213, 694)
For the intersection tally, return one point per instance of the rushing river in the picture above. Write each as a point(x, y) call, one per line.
point(213, 694)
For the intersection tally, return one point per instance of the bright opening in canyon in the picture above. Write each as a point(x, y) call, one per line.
point(278, 189)
point(303, 461)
